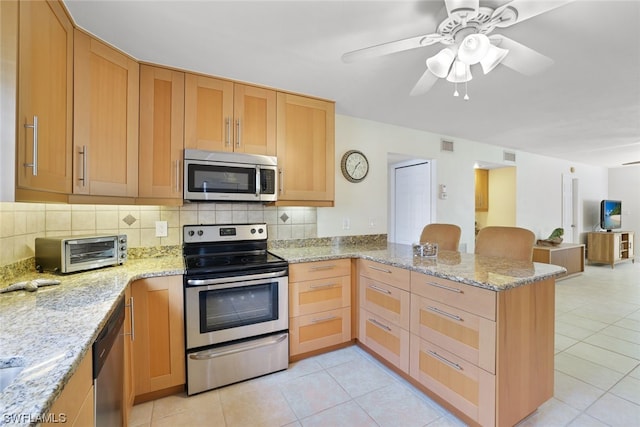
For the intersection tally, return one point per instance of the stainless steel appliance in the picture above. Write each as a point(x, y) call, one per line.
point(236, 305)
point(222, 176)
point(78, 253)
point(108, 370)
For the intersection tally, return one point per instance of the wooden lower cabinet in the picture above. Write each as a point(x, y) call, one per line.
point(319, 305)
point(468, 388)
point(610, 247)
point(129, 392)
point(385, 338)
point(158, 346)
point(75, 405)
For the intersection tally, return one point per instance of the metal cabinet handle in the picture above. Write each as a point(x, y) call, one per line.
point(380, 325)
point(132, 322)
point(212, 354)
point(84, 153)
point(238, 133)
point(448, 288)
point(384, 270)
point(323, 285)
point(323, 267)
point(379, 289)
point(323, 319)
point(281, 172)
point(445, 360)
point(34, 163)
point(227, 123)
point(444, 313)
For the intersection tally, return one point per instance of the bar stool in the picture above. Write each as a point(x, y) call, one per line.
point(447, 236)
point(505, 242)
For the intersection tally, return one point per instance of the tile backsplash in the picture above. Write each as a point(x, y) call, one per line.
point(21, 223)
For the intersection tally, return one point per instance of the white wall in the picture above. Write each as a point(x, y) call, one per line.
point(538, 192)
point(624, 183)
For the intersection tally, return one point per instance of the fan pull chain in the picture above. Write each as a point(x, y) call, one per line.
point(466, 80)
point(455, 93)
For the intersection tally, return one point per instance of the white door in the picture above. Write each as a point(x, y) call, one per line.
point(569, 208)
point(412, 201)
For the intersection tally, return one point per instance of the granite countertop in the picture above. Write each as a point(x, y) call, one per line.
point(50, 330)
point(497, 274)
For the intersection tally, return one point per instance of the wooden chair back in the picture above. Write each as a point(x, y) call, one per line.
point(447, 236)
point(506, 242)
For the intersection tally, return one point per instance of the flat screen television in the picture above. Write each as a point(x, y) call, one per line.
point(610, 214)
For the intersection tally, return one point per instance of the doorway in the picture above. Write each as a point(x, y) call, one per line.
point(495, 195)
point(410, 204)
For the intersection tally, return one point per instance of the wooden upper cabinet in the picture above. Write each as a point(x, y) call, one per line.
point(482, 190)
point(106, 96)
point(161, 133)
point(305, 147)
point(45, 94)
point(224, 116)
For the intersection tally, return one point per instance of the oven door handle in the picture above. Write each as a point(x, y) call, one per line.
point(213, 353)
point(243, 278)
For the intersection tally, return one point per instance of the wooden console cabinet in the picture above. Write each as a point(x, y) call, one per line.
point(567, 255)
point(610, 247)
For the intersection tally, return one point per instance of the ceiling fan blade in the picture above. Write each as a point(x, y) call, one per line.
point(526, 9)
point(520, 57)
point(463, 9)
point(391, 47)
point(637, 162)
point(425, 83)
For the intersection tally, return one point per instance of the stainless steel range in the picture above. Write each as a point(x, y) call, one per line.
point(236, 305)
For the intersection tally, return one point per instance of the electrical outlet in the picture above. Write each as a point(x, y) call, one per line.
point(346, 223)
point(161, 229)
point(372, 223)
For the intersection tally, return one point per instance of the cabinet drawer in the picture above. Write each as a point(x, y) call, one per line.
point(385, 338)
point(394, 276)
point(319, 330)
point(313, 296)
point(385, 300)
point(319, 270)
point(471, 337)
point(465, 386)
point(465, 297)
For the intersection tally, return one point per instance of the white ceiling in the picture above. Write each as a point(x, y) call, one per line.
point(585, 108)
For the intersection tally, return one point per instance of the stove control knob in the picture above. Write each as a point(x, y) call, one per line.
point(200, 232)
point(260, 230)
point(191, 233)
point(253, 231)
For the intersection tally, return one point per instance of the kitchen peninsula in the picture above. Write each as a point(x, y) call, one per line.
point(49, 331)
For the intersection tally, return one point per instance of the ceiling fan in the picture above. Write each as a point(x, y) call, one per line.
point(465, 33)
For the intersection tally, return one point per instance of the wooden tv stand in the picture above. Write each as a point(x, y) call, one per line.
point(567, 255)
point(610, 247)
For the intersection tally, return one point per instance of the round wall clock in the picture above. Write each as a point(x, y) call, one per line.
point(354, 165)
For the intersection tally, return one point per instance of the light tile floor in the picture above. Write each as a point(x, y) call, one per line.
point(597, 376)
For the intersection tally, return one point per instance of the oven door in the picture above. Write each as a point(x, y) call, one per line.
point(232, 308)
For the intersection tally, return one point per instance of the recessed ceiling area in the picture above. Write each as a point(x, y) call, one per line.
point(584, 108)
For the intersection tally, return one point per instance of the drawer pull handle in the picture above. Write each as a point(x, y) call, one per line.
point(323, 319)
point(445, 360)
point(448, 288)
point(323, 267)
point(322, 285)
point(380, 325)
point(384, 270)
point(444, 313)
point(379, 289)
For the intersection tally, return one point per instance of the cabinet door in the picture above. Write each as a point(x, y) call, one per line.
point(208, 113)
point(385, 338)
point(161, 132)
point(313, 296)
point(482, 190)
point(385, 300)
point(319, 330)
point(254, 120)
point(105, 124)
point(45, 91)
point(305, 147)
point(129, 336)
point(158, 348)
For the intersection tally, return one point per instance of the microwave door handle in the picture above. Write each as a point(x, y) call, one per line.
point(257, 181)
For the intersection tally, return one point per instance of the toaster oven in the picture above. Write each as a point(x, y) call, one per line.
point(79, 253)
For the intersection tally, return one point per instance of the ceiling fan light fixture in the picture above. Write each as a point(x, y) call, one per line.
point(473, 48)
point(440, 63)
point(460, 72)
point(494, 56)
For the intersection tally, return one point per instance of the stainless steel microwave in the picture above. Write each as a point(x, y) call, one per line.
point(231, 177)
point(78, 253)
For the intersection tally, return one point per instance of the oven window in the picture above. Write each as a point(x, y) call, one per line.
point(221, 179)
point(233, 307)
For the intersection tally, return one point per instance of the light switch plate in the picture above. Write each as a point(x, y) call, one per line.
point(161, 229)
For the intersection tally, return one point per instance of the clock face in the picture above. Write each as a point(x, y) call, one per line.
point(355, 166)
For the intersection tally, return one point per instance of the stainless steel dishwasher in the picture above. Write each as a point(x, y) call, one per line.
point(108, 370)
